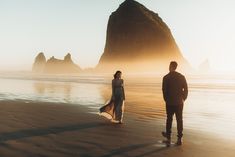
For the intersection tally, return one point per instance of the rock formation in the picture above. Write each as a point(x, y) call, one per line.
point(58, 66)
point(204, 67)
point(137, 38)
point(39, 63)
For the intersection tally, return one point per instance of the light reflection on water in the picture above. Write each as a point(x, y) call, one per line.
point(209, 106)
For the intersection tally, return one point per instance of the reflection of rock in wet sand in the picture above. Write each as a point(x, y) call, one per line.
point(50, 87)
point(138, 39)
point(39, 87)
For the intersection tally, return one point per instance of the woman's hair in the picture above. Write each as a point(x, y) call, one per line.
point(116, 73)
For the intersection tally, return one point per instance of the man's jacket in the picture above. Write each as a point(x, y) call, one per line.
point(174, 88)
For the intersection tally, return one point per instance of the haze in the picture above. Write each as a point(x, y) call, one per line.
point(202, 30)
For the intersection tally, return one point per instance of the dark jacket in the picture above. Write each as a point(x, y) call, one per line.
point(174, 88)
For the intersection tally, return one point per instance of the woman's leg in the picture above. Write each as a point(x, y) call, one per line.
point(119, 111)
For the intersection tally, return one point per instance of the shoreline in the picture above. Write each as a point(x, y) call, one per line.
point(60, 129)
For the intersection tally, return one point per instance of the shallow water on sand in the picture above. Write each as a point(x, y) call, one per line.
point(209, 107)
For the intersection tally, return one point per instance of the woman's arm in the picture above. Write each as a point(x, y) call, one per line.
point(123, 91)
point(112, 90)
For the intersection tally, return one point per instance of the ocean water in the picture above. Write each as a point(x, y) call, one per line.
point(209, 108)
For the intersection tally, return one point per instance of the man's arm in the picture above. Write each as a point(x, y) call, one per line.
point(164, 88)
point(185, 88)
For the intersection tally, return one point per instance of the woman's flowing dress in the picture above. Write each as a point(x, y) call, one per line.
point(114, 109)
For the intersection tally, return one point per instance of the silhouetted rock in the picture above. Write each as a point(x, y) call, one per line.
point(39, 63)
point(58, 66)
point(55, 66)
point(204, 67)
point(138, 38)
point(68, 58)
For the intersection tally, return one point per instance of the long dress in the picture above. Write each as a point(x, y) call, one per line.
point(114, 109)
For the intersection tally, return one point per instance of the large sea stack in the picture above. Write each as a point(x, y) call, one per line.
point(137, 40)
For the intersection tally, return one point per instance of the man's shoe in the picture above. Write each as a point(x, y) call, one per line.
point(164, 134)
point(179, 142)
point(168, 141)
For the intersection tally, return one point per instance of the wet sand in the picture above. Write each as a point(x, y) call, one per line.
point(57, 129)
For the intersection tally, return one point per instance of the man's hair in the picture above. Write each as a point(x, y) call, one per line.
point(173, 64)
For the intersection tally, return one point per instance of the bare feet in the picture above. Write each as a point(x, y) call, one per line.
point(120, 122)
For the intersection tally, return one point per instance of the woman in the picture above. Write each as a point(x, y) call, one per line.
point(115, 107)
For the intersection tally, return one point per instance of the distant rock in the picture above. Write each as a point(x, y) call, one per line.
point(39, 63)
point(138, 38)
point(204, 67)
point(57, 66)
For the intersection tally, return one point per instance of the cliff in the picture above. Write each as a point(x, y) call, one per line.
point(138, 38)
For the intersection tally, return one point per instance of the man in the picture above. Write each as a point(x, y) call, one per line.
point(175, 92)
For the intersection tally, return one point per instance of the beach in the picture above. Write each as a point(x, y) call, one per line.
point(58, 116)
point(52, 129)
point(66, 65)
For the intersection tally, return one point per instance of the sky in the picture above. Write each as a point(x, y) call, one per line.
point(203, 29)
